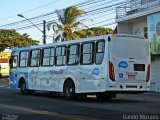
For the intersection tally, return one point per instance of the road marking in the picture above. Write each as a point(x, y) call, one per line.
point(3, 86)
point(54, 114)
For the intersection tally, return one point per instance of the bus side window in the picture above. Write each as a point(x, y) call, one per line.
point(35, 58)
point(60, 56)
point(52, 56)
point(73, 55)
point(100, 47)
point(48, 57)
point(46, 52)
point(87, 53)
point(23, 59)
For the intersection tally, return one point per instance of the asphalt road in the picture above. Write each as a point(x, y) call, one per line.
point(43, 106)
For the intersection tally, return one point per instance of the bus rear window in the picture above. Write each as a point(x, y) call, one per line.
point(130, 48)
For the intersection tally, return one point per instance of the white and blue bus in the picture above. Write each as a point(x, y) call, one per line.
point(100, 65)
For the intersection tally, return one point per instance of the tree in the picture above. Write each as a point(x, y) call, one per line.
point(64, 29)
point(95, 31)
point(11, 38)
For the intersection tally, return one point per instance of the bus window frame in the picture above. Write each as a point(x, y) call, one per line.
point(81, 53)
point(50, 56)
point(30, 54)
point(78, 54)
point(65, 54)
point(23, 59)
point(102, 40)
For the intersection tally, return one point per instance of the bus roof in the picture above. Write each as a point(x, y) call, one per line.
point(73, 41)
point(61, 43)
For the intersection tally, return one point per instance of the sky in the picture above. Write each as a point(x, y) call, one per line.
point(31, 8)
point(10, 8)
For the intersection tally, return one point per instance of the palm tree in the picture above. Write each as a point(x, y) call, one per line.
point(67, 25)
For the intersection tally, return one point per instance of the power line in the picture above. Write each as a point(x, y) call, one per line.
point(52, 15)
point(91, 14)
point(88, 2)
point(39, 15)
point(41, 6)
point(108, 2)
point(33, 9)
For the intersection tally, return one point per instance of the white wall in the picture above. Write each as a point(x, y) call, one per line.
point(124, 28)
point(134, 28)
point(138, 28)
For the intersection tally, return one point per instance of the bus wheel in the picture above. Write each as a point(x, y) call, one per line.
point(23, 89)
point(69, 90)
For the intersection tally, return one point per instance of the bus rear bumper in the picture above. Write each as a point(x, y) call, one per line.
point(129, 87)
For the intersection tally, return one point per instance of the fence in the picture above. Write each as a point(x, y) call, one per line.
point(136, 6)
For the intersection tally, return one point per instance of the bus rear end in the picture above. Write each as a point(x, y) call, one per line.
point(129, 64)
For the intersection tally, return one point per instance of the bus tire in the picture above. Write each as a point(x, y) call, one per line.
point(69, 90)
point(23, 89)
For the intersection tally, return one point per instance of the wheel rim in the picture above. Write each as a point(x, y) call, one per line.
point(69, 90)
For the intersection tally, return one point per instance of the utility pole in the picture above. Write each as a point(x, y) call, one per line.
point(44, 27)
point(44, 32)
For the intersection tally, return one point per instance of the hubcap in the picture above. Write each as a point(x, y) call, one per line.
point(69, 91)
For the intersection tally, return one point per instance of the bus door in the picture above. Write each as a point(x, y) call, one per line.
point(85, 71)
point(13, 78)
point(34, 70)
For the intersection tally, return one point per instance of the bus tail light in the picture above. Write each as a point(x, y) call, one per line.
point(111, 71)
point(148, 73)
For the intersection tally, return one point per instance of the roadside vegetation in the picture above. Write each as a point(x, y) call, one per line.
point(66, 28)
point(11, 39)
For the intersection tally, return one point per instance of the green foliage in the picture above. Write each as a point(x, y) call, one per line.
point(10, 38)
point(71, 14)
point(64, 29)
point(95, 31)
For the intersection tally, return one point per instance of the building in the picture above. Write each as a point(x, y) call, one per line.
point(4, 62)
point(142, 18)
